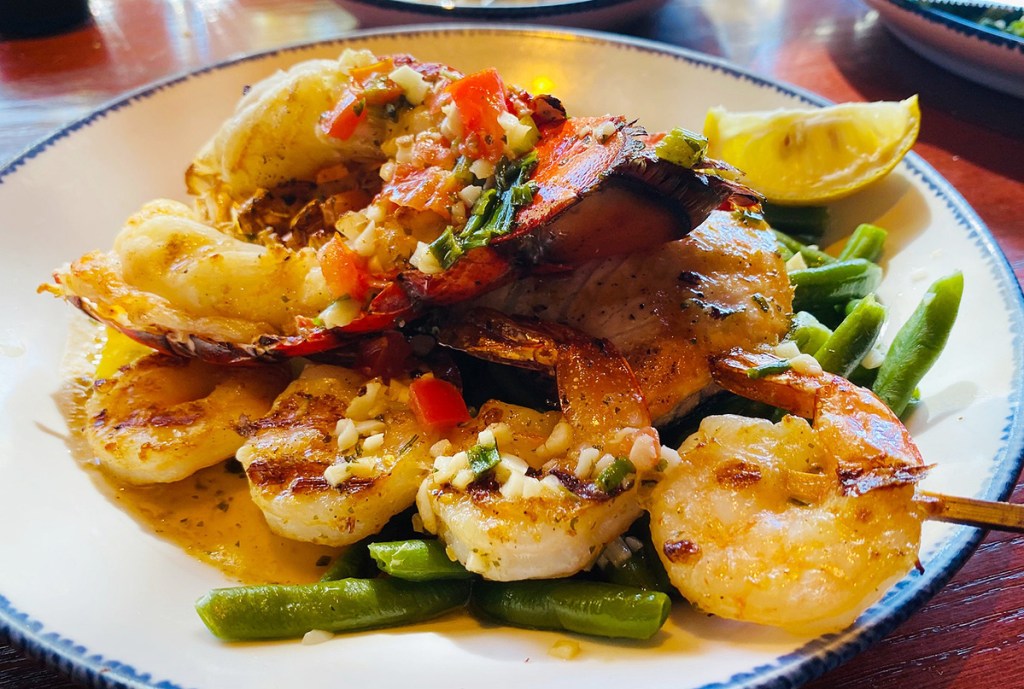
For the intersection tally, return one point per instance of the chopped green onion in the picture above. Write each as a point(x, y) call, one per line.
point(483, 458)
point(446, 248)
point(771, 368)
point(614, 474)
point(682, 147)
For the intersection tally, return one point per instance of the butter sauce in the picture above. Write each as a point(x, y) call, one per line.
point(209, 515)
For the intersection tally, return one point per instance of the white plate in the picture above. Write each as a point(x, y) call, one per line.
point(84, 586)
point(588, 14)
point(979, 53)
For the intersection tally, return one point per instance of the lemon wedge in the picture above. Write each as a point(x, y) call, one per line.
point(119, 350)
point(813, 156)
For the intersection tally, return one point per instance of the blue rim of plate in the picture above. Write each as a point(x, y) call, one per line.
point(491, 13)
point(961, 25)
point(788, 671)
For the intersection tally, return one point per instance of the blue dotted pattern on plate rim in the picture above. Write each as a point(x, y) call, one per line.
point(787, 671)
point(961, 25)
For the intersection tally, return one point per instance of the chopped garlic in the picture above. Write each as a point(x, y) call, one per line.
point(316, 636)
point(552, 485)
point(513, 463)
point(644, 453)
point(669, 456)
point(370, 427)
point(502, 433)
point(806, 364)
point(585, 462)
point(337, 474)
point(423, 260)
point(351, 224)
point(340, 313)
point(366, 243)
point(463, 479)
point(605, 131)
point(796, 262)
point(617, 552)
point(606, 461)
point(451, 125)
point(376, 213)
point(787, 350)
point(369, 404)
point(874, 358)
point(347, 435)
point(518, 136)
point(470, 194)
point(486, 437)
point(532, 488)
point(374, 442)
point(512, 488)
point(566, 649)
point(412, 83)
point(482, 169)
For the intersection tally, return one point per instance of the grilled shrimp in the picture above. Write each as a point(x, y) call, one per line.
point(790, 524)
point(336, 457)
point(178, 285)
point(518, 494)
point(160, 419)
point(722, 286)
point(272, 138)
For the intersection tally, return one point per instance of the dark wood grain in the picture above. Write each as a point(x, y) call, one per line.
point(967, 637)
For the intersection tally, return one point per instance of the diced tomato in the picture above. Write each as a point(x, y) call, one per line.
point(341, 122)
point(344, 270)
point(430, 189)
point(480, 99)
point(437, 403)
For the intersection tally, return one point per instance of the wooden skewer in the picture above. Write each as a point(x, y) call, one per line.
point(984, 514)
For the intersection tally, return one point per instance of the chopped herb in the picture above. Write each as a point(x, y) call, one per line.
point(771, 368)
point(747, 217)
point(493, 214)
point(483, 458)
point(446, 248)
point(612, 476)
point(407, 445)
point(762, 302)
point(682, 147)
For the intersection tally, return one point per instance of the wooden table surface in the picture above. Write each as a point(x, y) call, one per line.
point(969, 636)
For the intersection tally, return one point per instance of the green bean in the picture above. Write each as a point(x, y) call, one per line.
point(823, 289)
point(585, 607)
point(808, 332)
point(642, 569)
point(919, 342)
point(417, 560)
point(351, 562)
point(812, 256)
point(866, 242)
point(805, 223)
point(275, 611)
point(853, 339)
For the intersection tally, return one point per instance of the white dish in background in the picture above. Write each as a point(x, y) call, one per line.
point(978, 53)
point(87, 589)
point(587, 14)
